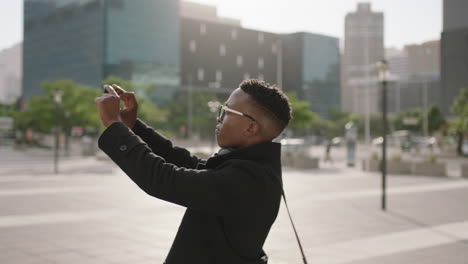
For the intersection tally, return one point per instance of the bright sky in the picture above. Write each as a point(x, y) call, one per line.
point(406, 21)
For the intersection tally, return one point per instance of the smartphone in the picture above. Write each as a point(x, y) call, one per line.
point(105, 90)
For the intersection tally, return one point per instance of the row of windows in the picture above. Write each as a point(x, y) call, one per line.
point(222, 48)
point(234, 33)
point(222, 52)
point(219, 75)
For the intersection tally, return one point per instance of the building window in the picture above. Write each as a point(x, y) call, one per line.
point(239, 60)
point(192, 46)
point(201, 74)
point(202, 29)
point(234, 34)
point(261, 77)
point(219, 75)
point(246, 76)
point(261, 63)
point(222, 50)
point(261, 38)
point(274, 48)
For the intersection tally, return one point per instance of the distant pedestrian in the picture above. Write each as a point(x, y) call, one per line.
point(233, 198)
point(328, 146)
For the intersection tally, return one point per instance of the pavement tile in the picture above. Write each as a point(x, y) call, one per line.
point(336, 211)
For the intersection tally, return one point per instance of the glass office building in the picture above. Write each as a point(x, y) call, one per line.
point(312, 69)
point(88, 40)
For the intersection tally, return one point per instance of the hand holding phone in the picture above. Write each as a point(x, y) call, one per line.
point(129, 113)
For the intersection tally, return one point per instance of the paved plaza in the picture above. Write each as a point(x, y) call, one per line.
point(92, 213)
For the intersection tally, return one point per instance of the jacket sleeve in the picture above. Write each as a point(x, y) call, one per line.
point(163, 147)
point(215, 191)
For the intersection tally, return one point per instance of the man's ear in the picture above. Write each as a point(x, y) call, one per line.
point(253, 129)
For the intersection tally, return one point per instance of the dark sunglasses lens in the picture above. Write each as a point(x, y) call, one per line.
point(221, 113)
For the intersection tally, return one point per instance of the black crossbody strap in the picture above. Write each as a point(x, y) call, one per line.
point(295, 232)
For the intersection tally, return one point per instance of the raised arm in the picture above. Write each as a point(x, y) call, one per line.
point(222, 192)
point(163, 147)
point(158, 144)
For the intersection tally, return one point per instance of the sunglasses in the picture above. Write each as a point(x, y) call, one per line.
point(223, 109)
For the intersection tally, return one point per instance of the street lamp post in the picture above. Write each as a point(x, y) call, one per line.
point(57, 102)
point(425, 113)
point(383, 79)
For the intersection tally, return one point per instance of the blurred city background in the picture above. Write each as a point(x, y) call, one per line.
point(183, 59)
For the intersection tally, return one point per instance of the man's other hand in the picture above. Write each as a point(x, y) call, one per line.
point(129, 113)
point(108, 106)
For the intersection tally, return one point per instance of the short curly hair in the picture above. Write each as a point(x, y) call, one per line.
point(271, 98)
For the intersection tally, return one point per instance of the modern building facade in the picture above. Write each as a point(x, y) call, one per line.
point(173, 44)
point(424, 60)
point(206, 13)
point(398, 61)
point(454, 50)
point(416, 74)
point(88, 40)
point(411, 94)
point(311, 68)
point(363, 47)
point(218, 56)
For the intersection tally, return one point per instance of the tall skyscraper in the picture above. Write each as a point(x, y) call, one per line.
point(88, 40)
point(363, 47)
point(10, 74)
point(454, 50)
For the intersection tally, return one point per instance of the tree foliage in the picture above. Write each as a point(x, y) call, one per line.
point(77, 107)
point(460, 108)
point(334, 126)
point(435, 119)
point(398, 121)
point(460, 125)
point(302, 116)
point(203, 120)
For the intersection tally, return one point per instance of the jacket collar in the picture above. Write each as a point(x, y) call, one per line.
point(266, 152)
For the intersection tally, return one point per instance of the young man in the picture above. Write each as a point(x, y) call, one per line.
point(232, 198)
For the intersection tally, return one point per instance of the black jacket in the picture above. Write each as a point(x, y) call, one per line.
point(232, 199)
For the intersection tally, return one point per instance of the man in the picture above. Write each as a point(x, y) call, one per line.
point(232, 198)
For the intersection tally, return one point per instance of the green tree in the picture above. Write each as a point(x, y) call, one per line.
point(334, 126)
point(435, 119)
point(303, 118)
point(460, 126)
point(337, 115)
point(203, 120)
point(77, 108)
point(398, 121)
